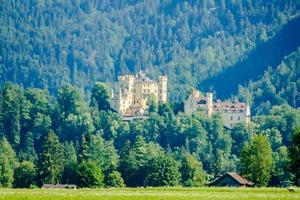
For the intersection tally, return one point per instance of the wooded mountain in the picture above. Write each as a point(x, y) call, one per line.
point(48, 44)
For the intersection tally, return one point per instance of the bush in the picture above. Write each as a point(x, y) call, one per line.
point(89, 175)
point(24, 175)
point(114, 179)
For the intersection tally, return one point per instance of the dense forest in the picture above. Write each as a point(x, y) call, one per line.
point(46, 44)
point(58, 58)
point(275, 87)
point(65, 140)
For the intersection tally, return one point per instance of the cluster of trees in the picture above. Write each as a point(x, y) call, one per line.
point(47, 44)
point(275, 87)
point(62, 139)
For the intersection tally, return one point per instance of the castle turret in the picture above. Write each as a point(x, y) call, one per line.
point(162, 90)
point(209, 103)
point(112, 95)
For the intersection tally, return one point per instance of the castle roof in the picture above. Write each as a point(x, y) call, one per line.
point(144, 79)
point(230, 106)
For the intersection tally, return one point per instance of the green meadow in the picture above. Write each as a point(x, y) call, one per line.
point(150, 193)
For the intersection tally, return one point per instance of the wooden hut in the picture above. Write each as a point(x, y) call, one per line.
point(231, 180)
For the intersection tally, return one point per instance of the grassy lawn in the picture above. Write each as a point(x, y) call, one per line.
point(150, 193)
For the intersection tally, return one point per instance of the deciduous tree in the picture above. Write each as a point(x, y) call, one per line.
point(256, 160)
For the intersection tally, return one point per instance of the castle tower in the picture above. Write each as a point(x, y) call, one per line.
point(162, 89)
point(112, 95)
point(209, 103)
point(248, 114)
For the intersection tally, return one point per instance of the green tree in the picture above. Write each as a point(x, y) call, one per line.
point(294, 154)
point(240, 136)
point(281, 170)
point(83, 147)
point(103, 154)
point(8, 163)
point(36, 121)
point(89, 175)
point(114, 179)
point(70, 168)
point(51, 160)
point(134, 159)
point(108, 122)
point(221, 141)
point(165, 110)
point(11, 105)
point(100, 96)
point(69, 101)
point(28, 152)
point(162, 170)
point(256, 160)
point(152, 104)
point(191, 171)
point(25, 175)
point(72, 118)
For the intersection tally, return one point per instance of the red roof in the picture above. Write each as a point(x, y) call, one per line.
point(241, 180)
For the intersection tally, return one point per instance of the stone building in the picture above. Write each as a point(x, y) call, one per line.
point(233, 112)
point(131, 99)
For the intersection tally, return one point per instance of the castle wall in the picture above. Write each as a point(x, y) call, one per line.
point(231, 119)
point(134, 92)
point(231, 112)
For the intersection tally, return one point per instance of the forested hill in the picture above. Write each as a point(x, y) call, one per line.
point(280, 85)
point(268, 54)
point(47, 44)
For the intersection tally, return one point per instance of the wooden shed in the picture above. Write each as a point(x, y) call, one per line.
point(231, 180)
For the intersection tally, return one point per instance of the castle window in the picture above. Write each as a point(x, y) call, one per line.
point(231, 118)
point(239, 118)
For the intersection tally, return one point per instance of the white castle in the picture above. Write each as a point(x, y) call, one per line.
point(134, 91)
point(233, 112)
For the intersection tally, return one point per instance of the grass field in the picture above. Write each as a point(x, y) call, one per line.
point(150, 193)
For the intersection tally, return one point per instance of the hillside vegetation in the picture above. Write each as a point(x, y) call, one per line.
point(277, 86)
point(47, 44)
point(63, 139)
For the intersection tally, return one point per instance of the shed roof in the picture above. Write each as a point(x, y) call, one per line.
point(238, 178)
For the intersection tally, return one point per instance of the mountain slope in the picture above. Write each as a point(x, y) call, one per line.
point(277, 86)
point(270, 53)
point(48, 44)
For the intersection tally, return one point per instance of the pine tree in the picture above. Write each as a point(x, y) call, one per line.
point(71, 164)
point(28, 152)
point(51, 160)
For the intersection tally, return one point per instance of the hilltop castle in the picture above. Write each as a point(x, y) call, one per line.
point(233, 112)
point(134, 91)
